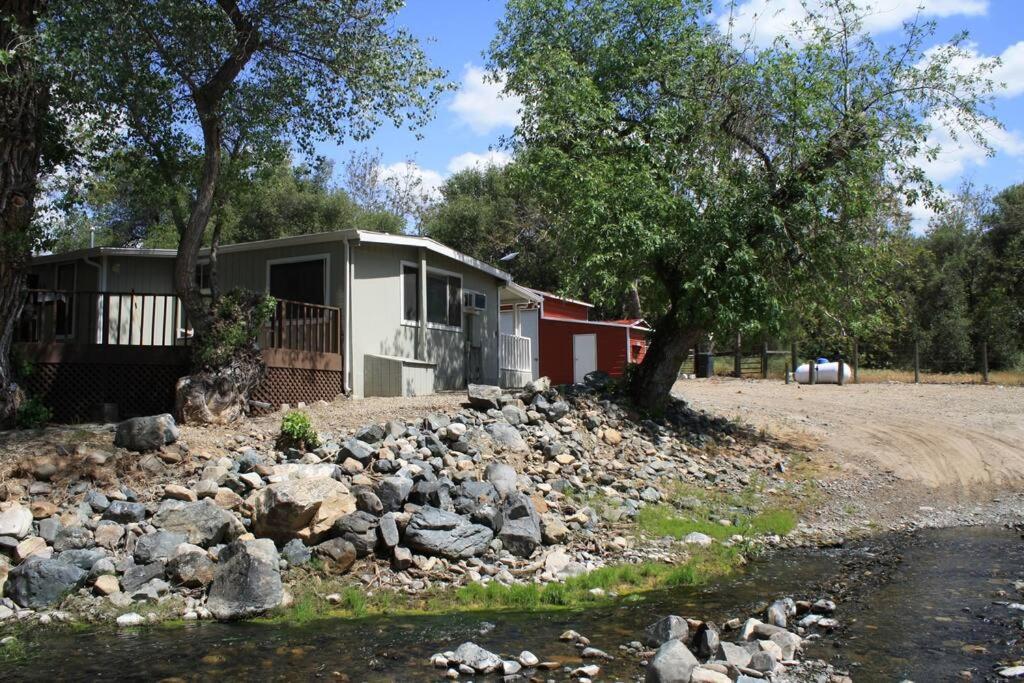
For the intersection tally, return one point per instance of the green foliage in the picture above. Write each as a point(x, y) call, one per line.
point(297, 431)
point(32, 414)
point(236, 319)
point(736, 185)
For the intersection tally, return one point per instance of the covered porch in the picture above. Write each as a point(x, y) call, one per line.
point(518, 342)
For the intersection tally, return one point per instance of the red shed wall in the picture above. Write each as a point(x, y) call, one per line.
point(556, 348)
point(559, 308)
point(638, 342)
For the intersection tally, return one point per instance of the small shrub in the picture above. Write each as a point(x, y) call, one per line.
point(33, 414)
point(235, 322)
point(297, 431)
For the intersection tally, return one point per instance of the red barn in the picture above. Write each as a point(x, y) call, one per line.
point(568, 343)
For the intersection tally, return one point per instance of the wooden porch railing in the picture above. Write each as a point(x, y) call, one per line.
point(103, 318)
point(147, 320)
point(300, 326)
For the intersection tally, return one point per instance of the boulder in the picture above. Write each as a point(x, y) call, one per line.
point(520, 525)
point(368, 501)
point(706, 640)
point(672, 663)
point(393, 492)
point(538, 386)
point(338, 553)
point(157, 546)
point(437, 532)
point(370, 434)
point(470, 495)
point(484, 396)
point(40, 582)
point(387, 531)
point(502, 477)
point(138, 575)
point(296, 552)
point(359, 529)
point(191, 567)
point(300, 508)
point(553, 530)
point(665, 629)
point(33, 545)
point(73, 538)
point(108, 534)
point(124, 512)
point(507, 436)
point(357, 449)
point(736, 655)
point(203, 523)
point(16, 521)
point(83, 558)
point(477, 658)
point(247, 581)
point(179, 492)
point(146, 433)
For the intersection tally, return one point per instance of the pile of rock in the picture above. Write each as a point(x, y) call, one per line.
point(470, 659)
point(476, 495)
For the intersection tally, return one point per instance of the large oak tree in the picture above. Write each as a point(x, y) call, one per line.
point(738, 182)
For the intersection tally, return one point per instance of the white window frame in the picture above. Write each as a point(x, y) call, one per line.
point(326, 258)
point(475, 294)
point(436, 271)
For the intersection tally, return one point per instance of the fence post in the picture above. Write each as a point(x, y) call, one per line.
point(984, 362)
point(787, 372)
point(840, 377)
point(856, 360)
point(696, 356)
point(812, 371)
point(764, 361)
point(793, 357)
point(917, 362)
point(737, 361)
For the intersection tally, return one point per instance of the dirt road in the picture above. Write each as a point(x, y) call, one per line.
point(961, 437)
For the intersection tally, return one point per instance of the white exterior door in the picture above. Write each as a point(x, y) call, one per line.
point(584, 356)
point(528, 321)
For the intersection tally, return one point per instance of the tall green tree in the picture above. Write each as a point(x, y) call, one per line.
point(24, 101)
point(218, 77)
point(739, 181)
point(483, 213)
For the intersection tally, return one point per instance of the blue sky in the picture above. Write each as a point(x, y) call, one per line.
point(470, 121)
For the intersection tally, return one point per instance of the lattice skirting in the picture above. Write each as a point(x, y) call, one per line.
point(76, 392)
point(291, 385)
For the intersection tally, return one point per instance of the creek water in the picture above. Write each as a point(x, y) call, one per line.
point(930, 617)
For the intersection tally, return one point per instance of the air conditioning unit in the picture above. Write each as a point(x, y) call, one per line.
point(474, 301)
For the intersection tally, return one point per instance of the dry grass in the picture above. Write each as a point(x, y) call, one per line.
point(1004, 377)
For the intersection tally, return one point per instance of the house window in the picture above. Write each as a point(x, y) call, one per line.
point(444, 297)
point(410, 294)
point(301, 279)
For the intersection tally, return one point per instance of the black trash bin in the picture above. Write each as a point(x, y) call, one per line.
point(705, 364)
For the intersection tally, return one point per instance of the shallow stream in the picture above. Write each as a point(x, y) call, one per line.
point(917, 608)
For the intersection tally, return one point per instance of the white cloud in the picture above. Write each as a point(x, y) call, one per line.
point(764, 20)
point(955, 155)
point(408, 175)
point(1008, 76)
point(480, 104)
point(472, 159)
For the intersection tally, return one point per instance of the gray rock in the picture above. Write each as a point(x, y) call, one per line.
point(502, 477)
point(151, 591)
point(387, 530)
point(393, 492)
point(124, 512)
point(479, 659)
point(437, 532)
point(359, 529)
point(203, 522)
point(146, 433)
point(520, 525)
point(367, 501)
point(371, 434)
point(506, 435)
point(73, 538)
point(735, 655)
point(192, 569)
point(247, 580)
point(296, 552)
point(777, 613)
point(357, 450)
point(672, 663)
point(37, 583)
point(338, 553)
point(514, 415)
point(470, 495)
point(157, 546)
point(49, 528)
point(137, 575)
point(763, 662)
point(97, 501)
point(484, 396)
point(558, 410)
point(436, 421)
point(665, 629)
point(83, 558)
point(706, 640)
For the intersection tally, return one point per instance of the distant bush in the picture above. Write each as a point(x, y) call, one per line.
point(32, 414)
point(297, 431)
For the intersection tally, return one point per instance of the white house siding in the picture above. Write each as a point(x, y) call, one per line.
point(378, 329)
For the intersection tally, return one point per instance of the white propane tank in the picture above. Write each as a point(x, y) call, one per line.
point(828, 373)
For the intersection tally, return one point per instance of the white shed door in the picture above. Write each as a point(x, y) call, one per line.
point(584, 356)
point(528, 321)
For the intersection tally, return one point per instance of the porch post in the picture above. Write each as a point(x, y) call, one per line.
point(421, 329)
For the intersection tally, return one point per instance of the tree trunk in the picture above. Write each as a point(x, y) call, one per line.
point(651, 386)
point(631, 303)
point(24, 100)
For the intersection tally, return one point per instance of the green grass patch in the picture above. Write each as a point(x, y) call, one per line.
point(664, 520)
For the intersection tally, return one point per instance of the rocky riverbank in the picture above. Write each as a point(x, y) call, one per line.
point(526, 489)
